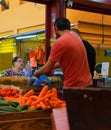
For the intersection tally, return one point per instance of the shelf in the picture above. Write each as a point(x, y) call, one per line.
point(84, 22)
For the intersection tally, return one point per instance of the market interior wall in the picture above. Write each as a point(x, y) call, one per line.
point(26, 16)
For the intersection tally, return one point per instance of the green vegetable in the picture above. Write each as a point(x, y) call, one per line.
point(8, 109)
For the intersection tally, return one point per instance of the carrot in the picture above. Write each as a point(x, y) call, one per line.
point(33, 97)
point(28, 102)
point(38, 106)
point(43, 106)
point(48, 95)
point(46, 101)
point(63, 105)
point(48, 92)
point(29, 93)
point(43, 91)
point(54, 90)
point(31, 107)
point(56, 99)
point(57, 104)
point(22, 101)
point(48, 107)
point(41, 99)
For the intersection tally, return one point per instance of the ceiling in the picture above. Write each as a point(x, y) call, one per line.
point(102, 6)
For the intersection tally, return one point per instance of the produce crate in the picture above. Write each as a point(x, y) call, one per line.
point(40, 120)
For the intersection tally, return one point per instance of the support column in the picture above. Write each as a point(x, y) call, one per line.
point(54, 9)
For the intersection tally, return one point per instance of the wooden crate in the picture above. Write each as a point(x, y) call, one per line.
point(40, 120)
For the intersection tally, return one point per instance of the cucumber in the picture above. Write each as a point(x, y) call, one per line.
point(4, 103)
point(14, 104)
point(9, 108)
point(6, 111)
point(19, 108)
point(8, 103)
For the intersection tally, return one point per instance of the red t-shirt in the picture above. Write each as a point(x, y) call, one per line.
point(70, 52)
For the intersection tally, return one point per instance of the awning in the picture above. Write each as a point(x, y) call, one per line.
point(35, 32)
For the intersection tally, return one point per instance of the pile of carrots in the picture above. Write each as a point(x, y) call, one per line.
point(46, 99)
point(9, 91)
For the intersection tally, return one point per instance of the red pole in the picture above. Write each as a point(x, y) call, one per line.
point(54, 9)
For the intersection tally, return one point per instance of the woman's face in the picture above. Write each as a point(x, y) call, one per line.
point(19, 63)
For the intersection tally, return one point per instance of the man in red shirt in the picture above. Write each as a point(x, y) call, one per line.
point(69, 52)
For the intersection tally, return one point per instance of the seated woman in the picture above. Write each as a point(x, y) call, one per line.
point(17, 63)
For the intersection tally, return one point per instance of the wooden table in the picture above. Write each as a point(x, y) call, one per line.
point(40, 120)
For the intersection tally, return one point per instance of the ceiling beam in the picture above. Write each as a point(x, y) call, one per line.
point(91, 6)
point(39, 1)
point(103, 7)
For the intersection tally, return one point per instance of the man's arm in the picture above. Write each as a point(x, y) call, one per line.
point(45, 69)
point(56, 65)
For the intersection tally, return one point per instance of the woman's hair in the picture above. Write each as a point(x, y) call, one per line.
point(15, 59)
point(62, 24)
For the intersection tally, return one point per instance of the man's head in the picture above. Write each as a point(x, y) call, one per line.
point(61, 24)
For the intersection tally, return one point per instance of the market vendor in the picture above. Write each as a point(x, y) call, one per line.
point(17, 63)
point(69, 51)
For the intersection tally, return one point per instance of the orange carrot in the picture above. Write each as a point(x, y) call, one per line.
point(28, 102)
point(43, 91)
point(29, 93)
point(22, 101)
point(56, 99)
point(54, 90)
point(48, 92)
point(41, 99)
point(46, 102)
point(38, 106)
point(62, 105)
point(31, 107)
point(43, 106)
point(33, 97)
point(55, 104)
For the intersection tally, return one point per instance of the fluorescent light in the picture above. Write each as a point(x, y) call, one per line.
point(24, 37)
point(73, 24)
point(101, 1)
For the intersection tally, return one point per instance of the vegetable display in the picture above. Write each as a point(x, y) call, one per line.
point(13, 100)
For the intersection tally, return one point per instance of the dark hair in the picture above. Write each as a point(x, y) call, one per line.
point(62, 24)
point(15, 59)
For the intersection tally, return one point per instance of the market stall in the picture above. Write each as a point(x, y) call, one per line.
point(28, 109)
point(25, 115)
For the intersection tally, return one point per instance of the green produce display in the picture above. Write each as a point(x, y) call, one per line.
point(9, 106)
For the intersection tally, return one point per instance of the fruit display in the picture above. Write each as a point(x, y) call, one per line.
point(56, 81)
point(17, 81)
point(26, 82)
point(12, 99)
point(97, 75)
